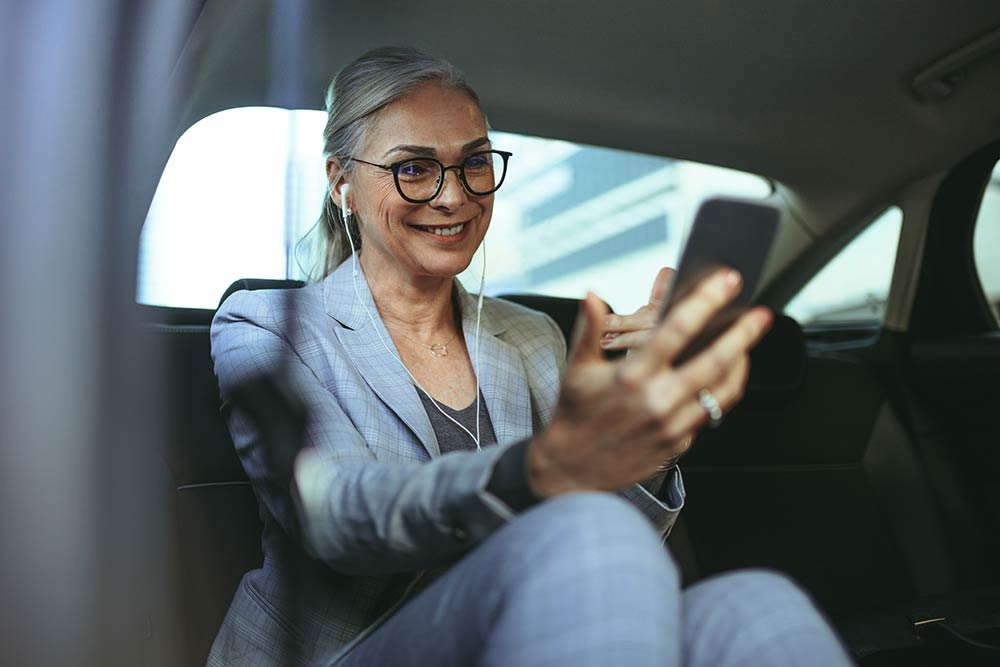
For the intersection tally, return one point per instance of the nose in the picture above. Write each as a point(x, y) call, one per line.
point(453, 193)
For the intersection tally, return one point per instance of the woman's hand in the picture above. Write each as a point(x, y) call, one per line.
point(630, 332)
point(616, 421)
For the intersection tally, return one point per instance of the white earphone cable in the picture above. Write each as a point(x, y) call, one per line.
point(479, 314)
point(479, 308)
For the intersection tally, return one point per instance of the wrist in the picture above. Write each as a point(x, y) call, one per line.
point(545, 476)
point(668, 464)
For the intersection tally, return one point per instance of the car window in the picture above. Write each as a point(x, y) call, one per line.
point(243, 187)
point(854, 285)
point(986, 241)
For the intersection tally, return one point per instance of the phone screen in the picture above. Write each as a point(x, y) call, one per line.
point(732, 233)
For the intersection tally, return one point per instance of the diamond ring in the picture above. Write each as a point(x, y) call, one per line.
point(712, 407)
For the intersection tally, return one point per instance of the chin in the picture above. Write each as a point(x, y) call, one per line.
point(450, 270)
point(444, 263)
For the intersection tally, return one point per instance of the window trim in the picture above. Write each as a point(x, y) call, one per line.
point(948, 301)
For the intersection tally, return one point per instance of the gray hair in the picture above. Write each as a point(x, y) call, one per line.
point(353, 101)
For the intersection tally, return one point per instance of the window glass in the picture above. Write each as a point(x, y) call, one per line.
point(854, 285)
point(243, 186)
point(986, 241)
point(239, 189)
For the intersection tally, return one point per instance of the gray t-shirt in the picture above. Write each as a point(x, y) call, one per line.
point(450, 437)
point(509, 481)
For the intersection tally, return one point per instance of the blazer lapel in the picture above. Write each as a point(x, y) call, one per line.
point(365, 340)
point(502, 377)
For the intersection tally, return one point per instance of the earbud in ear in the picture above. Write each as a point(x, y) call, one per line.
point(343, 200)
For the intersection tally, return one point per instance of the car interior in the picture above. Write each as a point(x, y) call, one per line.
point(863, 460)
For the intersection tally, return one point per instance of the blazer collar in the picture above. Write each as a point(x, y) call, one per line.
point(350, 307)
point(502, 377)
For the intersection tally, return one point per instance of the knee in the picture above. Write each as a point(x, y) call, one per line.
point(755, 590)
point(583, 577)
point(757, 612)
point(596, 530)
point(752, 602)
point(779, 591)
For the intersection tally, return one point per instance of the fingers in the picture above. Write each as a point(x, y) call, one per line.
point(644, 318)
point(648, 316)
point(626, 341)
point(728, 392)
point(714, 362)
point(661, 286)
point(722, 368)
point(588, 330)
point(691, 415)
point(687, 319)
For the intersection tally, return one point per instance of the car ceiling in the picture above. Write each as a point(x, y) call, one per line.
point(809, 94)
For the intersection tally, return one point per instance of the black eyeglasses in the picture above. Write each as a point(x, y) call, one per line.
point(419, 180)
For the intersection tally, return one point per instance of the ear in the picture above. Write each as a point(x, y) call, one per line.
point(332, 169)
point(336, 178)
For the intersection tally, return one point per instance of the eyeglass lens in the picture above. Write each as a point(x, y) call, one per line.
point(420, 178)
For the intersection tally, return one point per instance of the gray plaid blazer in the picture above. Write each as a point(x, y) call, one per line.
point(379, 504)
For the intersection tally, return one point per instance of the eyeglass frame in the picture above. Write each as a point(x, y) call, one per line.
point(394, 168)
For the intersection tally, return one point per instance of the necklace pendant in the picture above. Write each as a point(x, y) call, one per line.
point(439, 349)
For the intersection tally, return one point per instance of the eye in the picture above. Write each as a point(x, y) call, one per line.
point(416, 169)
point(479, 163)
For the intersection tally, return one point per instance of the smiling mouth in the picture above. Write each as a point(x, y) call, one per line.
point(442, 231)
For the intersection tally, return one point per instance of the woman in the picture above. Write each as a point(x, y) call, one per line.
point(432, 545)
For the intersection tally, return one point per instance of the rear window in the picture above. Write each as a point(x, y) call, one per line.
point(244, 186)
point(853, 286)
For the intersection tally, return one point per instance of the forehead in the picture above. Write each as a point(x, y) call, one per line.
point(432, 115)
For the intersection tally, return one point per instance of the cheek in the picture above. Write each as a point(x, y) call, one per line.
point(487, 214)
point(385, 206)
point(390, 213)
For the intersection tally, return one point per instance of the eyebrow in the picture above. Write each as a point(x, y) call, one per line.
point(432, 152)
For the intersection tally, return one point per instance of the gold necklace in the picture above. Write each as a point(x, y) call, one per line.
point(436, 349)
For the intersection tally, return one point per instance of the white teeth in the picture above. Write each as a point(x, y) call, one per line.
point(447, 231)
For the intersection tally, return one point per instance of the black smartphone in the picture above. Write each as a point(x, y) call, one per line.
point(734, 233)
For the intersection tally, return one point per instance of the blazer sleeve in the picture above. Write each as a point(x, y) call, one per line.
point(661, 507)
point(359, 515)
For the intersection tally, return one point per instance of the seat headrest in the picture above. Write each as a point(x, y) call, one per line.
point(561, 309)
point(778, 363)
point(259, 283)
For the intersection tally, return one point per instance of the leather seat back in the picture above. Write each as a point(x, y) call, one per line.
point(217, 529)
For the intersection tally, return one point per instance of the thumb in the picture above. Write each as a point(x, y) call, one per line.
point(661, 286)
point(589, 328)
